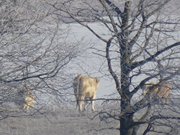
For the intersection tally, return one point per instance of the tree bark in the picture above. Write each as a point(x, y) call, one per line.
point(126, 120)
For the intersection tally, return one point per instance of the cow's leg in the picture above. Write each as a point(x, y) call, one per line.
point(81, 103)
point(93, 108)
point(77, 100)
point(85, 104)
point(93, 103)
point(167, 97)
point(25, 107)
point(88, 101)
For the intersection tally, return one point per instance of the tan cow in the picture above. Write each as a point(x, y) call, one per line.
point(85, 88)
point(29, 101)
point(161, 90)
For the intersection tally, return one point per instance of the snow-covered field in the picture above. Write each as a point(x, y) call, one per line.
point(67, 120)
point(64, 121)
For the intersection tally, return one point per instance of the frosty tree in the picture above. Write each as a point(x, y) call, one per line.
point(143, 41)
point(33, 51)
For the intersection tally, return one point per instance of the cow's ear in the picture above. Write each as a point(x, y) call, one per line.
point(97, 80)
point(78, 75)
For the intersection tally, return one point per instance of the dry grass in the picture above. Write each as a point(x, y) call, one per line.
point(61, 122)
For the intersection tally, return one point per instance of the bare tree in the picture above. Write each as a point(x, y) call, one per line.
point(142, 41)
point(33, 52)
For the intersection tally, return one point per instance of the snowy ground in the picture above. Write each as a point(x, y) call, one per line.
point(68, 121)
point(65, 121)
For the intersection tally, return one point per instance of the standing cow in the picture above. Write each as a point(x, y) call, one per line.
point(85, 88)
point(160, 90)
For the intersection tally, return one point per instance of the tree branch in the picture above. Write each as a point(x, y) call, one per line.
point(142, 83)
point(152, 57)
point(116, 9)
point(110, 17)
point(110, 66)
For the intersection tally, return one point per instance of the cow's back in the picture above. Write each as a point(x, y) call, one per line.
point(164, 90)
point(88, 86)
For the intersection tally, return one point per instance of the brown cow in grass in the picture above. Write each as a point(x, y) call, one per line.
point(160, 90)
point(85, 88)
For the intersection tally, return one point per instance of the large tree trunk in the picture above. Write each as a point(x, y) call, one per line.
point(126, 120)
